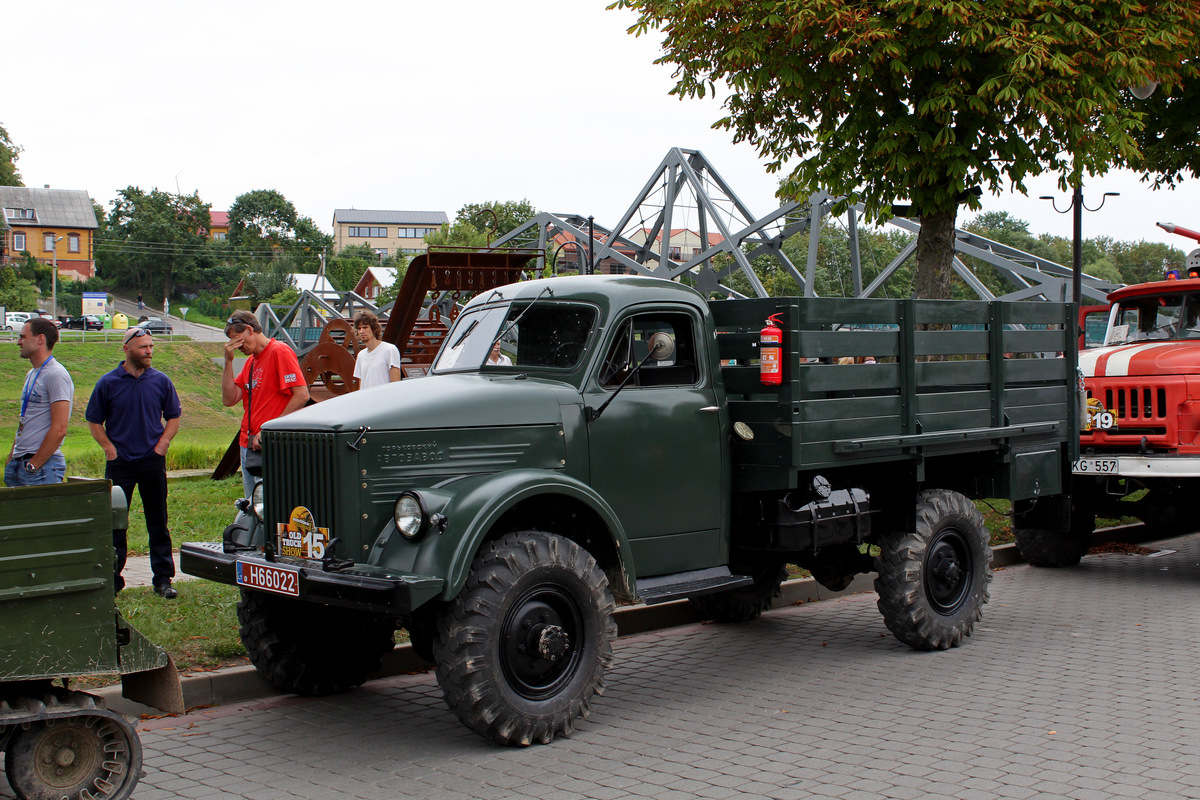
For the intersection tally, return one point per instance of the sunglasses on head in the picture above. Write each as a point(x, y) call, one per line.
point(135, 333)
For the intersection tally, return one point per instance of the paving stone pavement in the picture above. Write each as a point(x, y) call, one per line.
point(1079, 683)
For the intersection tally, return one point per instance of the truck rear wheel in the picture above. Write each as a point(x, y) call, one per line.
point(743, 605)
point(933, 581)
point(1046, 548)
point(95, 754)
point(310, 649)
point(523, 648)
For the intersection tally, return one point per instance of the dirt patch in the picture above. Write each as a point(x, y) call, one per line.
point(1124, 548)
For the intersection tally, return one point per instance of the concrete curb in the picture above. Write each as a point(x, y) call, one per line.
point(241, 684)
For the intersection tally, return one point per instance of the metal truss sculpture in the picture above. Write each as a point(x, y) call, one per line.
point(687, 188)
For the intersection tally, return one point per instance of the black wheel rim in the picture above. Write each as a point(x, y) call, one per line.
point(541, 641)
point(948, 571)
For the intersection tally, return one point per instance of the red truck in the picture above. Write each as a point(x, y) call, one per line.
point(1139, 449)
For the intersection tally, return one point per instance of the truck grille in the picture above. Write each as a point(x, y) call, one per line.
point(1142, 408)
point(299, 470)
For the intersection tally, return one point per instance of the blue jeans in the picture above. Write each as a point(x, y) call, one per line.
point(52, 471)
point(248, 480)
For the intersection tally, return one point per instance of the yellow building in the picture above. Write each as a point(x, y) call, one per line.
point(388, 233)
point(51, 225)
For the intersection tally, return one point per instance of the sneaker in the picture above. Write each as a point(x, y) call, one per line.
point(166, 590)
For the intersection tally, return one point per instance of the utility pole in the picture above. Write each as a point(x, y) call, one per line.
point(54, 279)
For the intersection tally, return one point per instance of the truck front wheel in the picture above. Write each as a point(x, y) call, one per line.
point(522, 650)
point(933, 581)
point(310, 649)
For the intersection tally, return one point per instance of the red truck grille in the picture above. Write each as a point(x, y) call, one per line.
point(1143, 408)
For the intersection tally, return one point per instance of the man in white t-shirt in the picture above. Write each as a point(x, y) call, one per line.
point(378, 362)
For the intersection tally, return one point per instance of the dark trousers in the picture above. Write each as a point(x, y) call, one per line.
point(149, 475)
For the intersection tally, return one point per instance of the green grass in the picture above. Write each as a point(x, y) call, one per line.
point(199, 628)
point(206, 428)
point(198, 509)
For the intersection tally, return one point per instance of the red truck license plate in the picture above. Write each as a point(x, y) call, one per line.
point(268, 578)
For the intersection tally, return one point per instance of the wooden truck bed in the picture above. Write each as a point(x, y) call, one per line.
point(943, 385)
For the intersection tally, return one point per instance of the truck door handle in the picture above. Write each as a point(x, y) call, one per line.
point(711, 408)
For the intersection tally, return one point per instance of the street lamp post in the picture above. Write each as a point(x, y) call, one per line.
point(1078, 208)
point(54, 279)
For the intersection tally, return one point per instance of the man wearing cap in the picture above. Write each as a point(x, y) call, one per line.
point(134, 414)
point(46, 398)
point(270, 384)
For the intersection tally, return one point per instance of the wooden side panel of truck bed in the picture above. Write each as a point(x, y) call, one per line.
point(951, 377)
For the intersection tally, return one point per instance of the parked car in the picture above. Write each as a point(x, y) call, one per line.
point(155, 325)
point(14, 320)
point(47, 315)
point(87, 322)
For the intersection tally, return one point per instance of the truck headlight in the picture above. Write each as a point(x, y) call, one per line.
point(256, 501)
point(410, 516)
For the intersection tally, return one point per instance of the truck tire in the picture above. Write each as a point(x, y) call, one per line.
point(743, 605)
point(310, 649)
point(1046, 548)
point(95, 754)
point(933, 581)
point(523, 649)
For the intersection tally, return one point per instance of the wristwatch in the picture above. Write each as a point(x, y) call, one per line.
point(29, 467)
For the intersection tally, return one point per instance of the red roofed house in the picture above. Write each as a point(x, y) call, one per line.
point(374, 281)
point(219, 229)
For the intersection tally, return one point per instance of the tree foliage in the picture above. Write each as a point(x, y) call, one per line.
point(9, 152)
point(924, 99)
point(1168, 142)
point(152, 239)
point(508, 216)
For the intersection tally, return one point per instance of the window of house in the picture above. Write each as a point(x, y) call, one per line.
point(19, 213)
point(367, 232)
point(219, 236)
point(48, 242)
point(73, 243)
point(18, 242)
point(675, 253)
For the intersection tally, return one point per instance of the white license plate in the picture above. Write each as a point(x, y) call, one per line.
point(1095, 466)
point(268, 578)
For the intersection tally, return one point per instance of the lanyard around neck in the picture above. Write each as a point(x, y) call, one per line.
point(28, 393)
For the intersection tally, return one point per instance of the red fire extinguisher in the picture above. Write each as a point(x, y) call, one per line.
point(770, 352)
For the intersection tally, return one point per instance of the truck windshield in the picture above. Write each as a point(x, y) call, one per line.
point(547, 334)
point(1156, 317)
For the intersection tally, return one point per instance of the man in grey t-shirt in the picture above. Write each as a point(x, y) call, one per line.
point(46, 397)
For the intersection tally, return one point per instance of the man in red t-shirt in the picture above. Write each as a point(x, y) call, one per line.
point(270, 384)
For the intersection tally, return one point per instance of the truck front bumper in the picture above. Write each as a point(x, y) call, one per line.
point(1138, 466)
point(362, 587)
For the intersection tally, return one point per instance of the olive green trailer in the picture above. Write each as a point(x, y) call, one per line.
point(58, 621)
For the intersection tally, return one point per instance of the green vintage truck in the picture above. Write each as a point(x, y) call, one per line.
point(624, 448)
point(58, 621)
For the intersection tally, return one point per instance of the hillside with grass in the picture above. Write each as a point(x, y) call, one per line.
point(206, 429)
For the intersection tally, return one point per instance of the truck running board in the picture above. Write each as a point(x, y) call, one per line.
point(666, 588)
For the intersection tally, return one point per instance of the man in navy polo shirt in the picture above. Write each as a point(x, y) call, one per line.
point(134, 414)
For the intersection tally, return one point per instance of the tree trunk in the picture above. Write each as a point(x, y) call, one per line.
point(935, 253)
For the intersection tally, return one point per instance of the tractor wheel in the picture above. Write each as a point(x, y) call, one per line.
point(310, 649)
point(748, 603)
point(95, 754)
point(522, 650)
point(933, 581)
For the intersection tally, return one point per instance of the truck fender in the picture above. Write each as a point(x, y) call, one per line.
point(476, 503)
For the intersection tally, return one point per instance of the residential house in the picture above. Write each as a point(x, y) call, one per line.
point(51, 224)
point(388, 233)
point(684, 243)
point(319, 285)
point(219, 230)
point(374, 281)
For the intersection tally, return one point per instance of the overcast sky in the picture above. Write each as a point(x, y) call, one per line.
point(396, 105)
